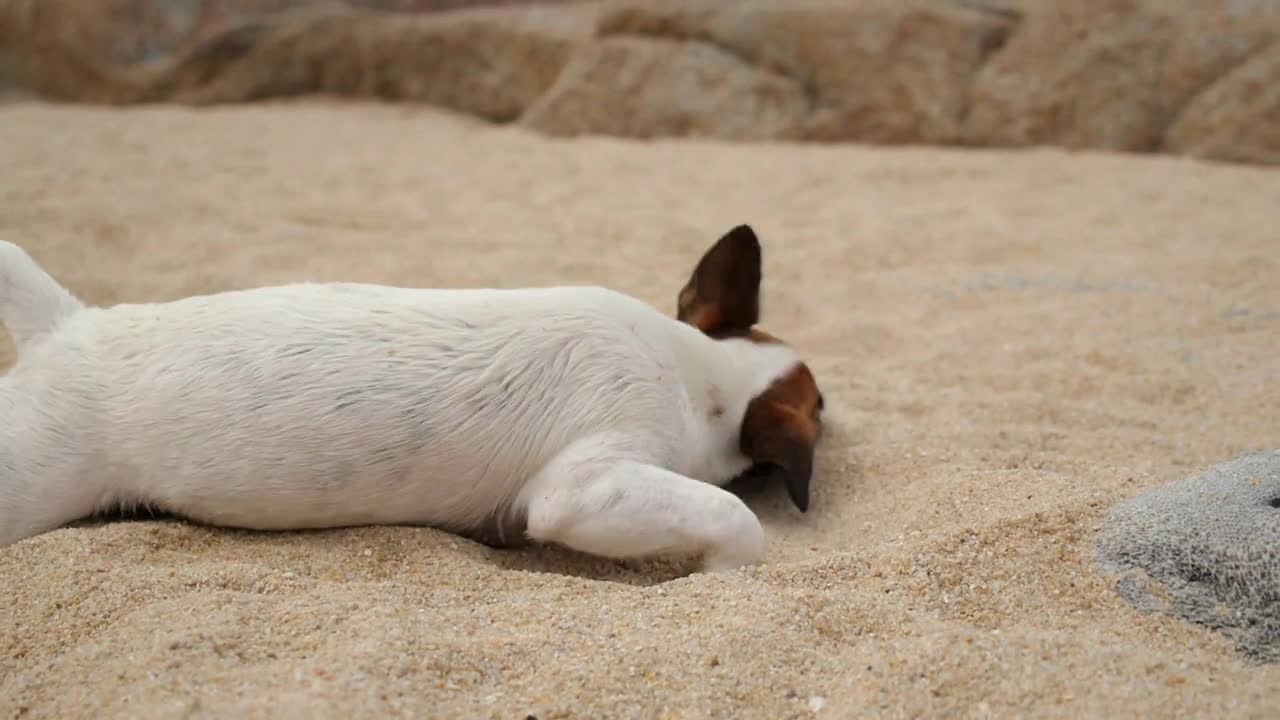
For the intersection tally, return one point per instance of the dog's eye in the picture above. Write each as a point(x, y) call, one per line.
point(822, 403)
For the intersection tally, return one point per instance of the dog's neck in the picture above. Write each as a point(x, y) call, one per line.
point(722, 377)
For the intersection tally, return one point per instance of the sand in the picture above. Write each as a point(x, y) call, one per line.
point(1010, 343)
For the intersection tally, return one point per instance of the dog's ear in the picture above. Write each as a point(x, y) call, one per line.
point(723, 294)
point(780, 431)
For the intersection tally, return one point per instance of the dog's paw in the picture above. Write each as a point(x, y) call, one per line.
point(743, 548)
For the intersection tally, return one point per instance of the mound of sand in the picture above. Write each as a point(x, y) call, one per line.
point(1009, 343)
point(1189, 77)
point(1207, 549)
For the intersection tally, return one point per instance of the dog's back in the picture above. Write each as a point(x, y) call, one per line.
point(321, 405)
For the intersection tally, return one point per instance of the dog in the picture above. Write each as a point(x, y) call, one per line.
point(575, 416)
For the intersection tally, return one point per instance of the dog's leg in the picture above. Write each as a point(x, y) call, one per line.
point(41, 485)
point(31, 301)
point(27, 510)
point(607, 504)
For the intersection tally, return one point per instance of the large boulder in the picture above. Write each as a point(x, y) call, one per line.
point(489, 65)
point(655, 87)
point(1185, 76)
point(1128, 75)
point(1238, 117)
point(1207, 549)
point(104, 32)
point(487, 61)
point(1111, 74)
point(886, 71)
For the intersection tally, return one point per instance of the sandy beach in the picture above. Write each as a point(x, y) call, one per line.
point(1010, 342)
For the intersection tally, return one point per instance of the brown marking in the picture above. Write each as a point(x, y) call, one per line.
point(781, 429)
point(715, 403)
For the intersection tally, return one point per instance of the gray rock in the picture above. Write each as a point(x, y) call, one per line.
point(1206, 549)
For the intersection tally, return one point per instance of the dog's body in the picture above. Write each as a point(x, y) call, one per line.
point(573, 415)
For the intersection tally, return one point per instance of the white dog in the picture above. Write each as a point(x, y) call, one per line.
point(570, 415)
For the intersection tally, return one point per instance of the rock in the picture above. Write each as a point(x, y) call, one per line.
point(884, 71)
point(127, 32)
point(1185, 76)
point(490, 65)
point(1110, 74)
point(1237, 118)
point(66, 50)
point(1206, 549)
point(649, 87)
point(112, 32)
point(490, 62)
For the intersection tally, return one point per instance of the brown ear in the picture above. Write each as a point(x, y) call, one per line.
point(780, 431)
point(723, 294)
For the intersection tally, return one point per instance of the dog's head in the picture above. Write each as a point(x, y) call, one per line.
point(781, 425)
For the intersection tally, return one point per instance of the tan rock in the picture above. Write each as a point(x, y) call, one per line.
point(875, 70)
point(69, 49)
point(493, 65)
point(1237, 118)
point(491, 62)
point(116, 32)
point(1109, 74)
point(1187, 76)
point(651, 87)
point(125, 32)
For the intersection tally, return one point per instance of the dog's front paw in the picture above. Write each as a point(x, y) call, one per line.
point(743, 547)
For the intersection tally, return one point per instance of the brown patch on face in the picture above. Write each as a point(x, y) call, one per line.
point(781, 428)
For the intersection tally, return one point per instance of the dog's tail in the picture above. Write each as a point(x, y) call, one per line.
point(31, 302)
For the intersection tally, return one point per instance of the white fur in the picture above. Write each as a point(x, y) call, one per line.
point(324, 405)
